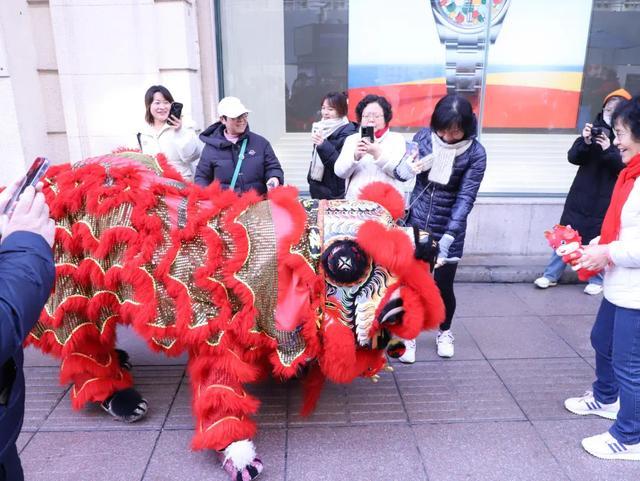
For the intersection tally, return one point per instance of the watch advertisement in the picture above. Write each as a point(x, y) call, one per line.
point(416, 51)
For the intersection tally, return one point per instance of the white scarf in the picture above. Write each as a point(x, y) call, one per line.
point(325, 127)
point(442, 157)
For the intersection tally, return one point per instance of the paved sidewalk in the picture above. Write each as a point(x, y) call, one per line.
point(494, 412)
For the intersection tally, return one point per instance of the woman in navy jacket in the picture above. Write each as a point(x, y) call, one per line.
point(27, 273)
point(328, 137)
point(449, 170)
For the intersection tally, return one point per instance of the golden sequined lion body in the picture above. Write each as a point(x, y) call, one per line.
point(246, 286)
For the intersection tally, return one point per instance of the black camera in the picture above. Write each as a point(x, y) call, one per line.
point(596, 132)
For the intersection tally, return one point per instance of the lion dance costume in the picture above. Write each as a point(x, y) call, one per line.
point(246, 286)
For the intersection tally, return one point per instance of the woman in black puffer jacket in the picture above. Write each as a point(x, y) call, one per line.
point(449, 170)
point(328, 137)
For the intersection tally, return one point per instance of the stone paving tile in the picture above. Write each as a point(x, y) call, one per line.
point(354, 453)
point(498, 451)
point(34, 357)
point(455, 391)
point(563, 439)
point(273, 403)
point(43, 393)
point(575, 330)
point(141, 354)
point(332, 407)
point(157, 384)
point(173, 459)
point(516, 337)
point(94, 456)
point(559, 299)
point(181, 415)
point(540, 386)
point(465, 347)
point(23, 439)
point(490, 300)
point(361, 402)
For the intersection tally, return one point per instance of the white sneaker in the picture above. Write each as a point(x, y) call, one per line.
point(593, 289)
point(544, 282)
point(444, 343)
point(409, 356)
point(605, 446)
point(587, 404)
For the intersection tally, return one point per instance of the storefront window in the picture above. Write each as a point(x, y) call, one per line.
point(535, 70)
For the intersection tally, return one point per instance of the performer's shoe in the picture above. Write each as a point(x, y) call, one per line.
point(240, 462)
point(124, 360)
point(127, 405)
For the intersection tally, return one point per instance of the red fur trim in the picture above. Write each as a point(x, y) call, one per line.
point(219, 436)
point(385, 195)
point(312, 385)
point(393, 250)
point(338, 358)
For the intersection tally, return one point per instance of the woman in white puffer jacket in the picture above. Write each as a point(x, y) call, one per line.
point(174, 137)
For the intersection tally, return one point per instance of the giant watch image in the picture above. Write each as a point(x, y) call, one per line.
point(461, 26)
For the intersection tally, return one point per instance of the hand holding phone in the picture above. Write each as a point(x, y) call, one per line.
point(32, 177)
point(31, 214)
point(175, 112)
point(366, 132)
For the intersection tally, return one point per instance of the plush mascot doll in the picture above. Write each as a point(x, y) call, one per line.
point(567, 243)
point(246, 286)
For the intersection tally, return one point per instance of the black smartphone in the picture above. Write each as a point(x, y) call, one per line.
point(175, 110)
point(32, 177)
point(367, 132)
point(596, 132)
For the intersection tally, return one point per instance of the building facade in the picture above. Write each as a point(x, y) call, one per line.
point(73, 75)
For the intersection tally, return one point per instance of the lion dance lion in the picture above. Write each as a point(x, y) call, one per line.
point(246, 286)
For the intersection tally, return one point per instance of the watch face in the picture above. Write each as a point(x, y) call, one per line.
point(469, 14)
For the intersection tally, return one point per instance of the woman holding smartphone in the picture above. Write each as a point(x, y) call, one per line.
point(448, 173)
point(168, 134)
point(365, 159)
point(328, 136)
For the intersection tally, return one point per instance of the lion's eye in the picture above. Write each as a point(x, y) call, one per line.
point(345, 262)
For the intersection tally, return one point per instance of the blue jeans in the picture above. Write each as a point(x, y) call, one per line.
point(616, 339)
point(556, 267)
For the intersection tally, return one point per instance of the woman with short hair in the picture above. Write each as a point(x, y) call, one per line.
point(174, 137)
point(448, 173)
point(615, 336)
point(362, 161)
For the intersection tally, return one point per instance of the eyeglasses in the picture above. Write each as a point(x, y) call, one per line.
point(373, 116)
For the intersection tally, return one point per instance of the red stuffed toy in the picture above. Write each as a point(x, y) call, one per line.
point(567, 243)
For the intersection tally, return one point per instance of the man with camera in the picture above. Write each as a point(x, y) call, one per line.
point(27, 273)
point(590, 193)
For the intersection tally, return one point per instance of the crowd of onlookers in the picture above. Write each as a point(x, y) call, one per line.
point(447, 163)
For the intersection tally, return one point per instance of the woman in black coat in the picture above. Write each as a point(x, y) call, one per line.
point(328, 137)
point(449, 171)
point(588, 198)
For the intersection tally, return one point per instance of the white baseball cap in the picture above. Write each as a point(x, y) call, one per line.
point(231, 107)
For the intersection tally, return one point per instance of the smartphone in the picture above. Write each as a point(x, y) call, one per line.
point(32, 177)
point(175, 110)
point(367, 132)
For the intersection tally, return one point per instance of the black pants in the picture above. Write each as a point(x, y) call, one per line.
point(10, 468)
point(444, 277)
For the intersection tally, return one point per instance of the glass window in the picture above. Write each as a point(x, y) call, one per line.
point(535, 70)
